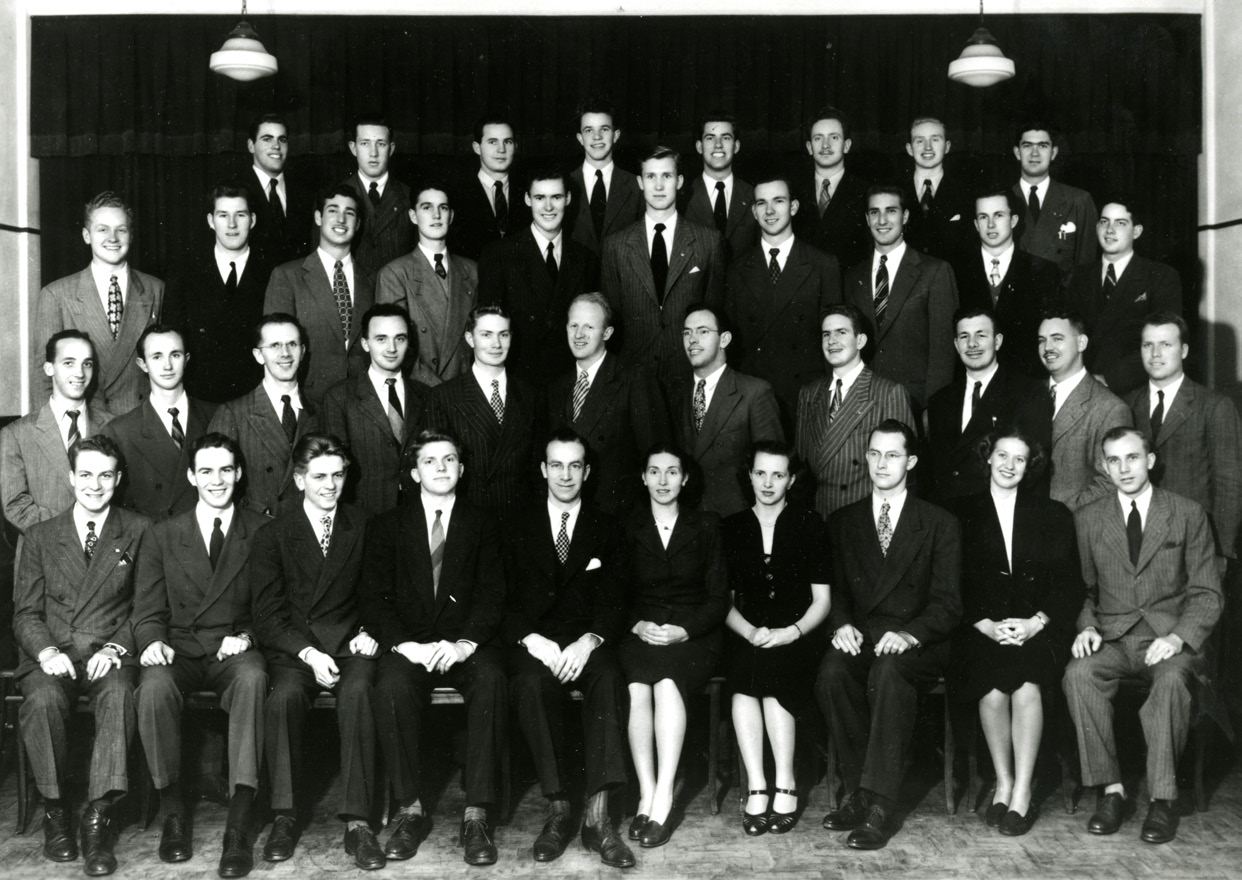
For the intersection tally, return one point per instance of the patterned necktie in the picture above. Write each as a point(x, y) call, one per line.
point(774, 268)
point(230, 283)
point(1134, 532)
point(1157, 416)
point(581, 387)
point(562, 539)
point(325, 534)
point(881, 291)
point(719, 212)
point(440, 270)
point(1034, 203)
point(273, 196)
point(178, 435)
point(498, 405)
point(502, 209)
point(834, 405)
point(659, 261)
point(825, 196)
point(599, 204)
point(437, 552)
point(74, 433)
point(374, 194)
point(994, 278)
point(216, 544)
point(884, 529)
point(550, 261)
point(1052, 394)
point(344, 307)
point(288, 420)
point(396, 415)
point(1110, 282)
point(116, 309)
point(699, 405)
point(91, 540)
point(925, 201)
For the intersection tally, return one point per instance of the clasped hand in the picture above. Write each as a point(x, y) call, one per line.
point(849, 638)
point(435, 656)
point(660, 634)
point(1013, 631)
point(565, 663)
point(763, 637)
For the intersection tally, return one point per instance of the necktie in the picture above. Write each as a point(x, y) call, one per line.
point(884, 529)
point(698, 406)
point(374, 194)
point(925, 201)
point(562, 540)
point(440, 270)
point(835, 403)
point(1110, 282)
point(581, 387)
point(599, 204)
point(1134, 532)
point(325, 539)
point(230, 283)
point(91, 540)
point(437, 552)
point(74, 434)
point(719, 212)
point(288, 420)
point(396, 416)
point(116, 309)
point(774, 268)
point(974, 402)
point(825, 196)
point(659, 261)
point(502, 209)
point(216, 544)
point(273, 196)
point(178, 435)
point(1034, 203)
point(498, 405)
point(994, 277)
point(1052, 394)
point(1157, 416)
point(881, 291)
point(550, 260)
point(344, 307)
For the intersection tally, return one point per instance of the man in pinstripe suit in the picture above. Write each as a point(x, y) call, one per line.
point(1153, 598)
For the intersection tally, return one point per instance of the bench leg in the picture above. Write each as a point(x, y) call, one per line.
point(950, 751)
point(713, 746)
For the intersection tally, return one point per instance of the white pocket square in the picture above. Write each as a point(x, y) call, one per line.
point(594, 564)
point(1141, 297)
point(955, 217)
point(695, 269)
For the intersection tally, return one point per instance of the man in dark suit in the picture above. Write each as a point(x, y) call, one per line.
point(386, 231)
point(433, 594)
point(377, 412)
point(282, 208)
point(833, 218)
point(605, 198)
point(1117, 297)
point(193, 631)
point(496, 415)
point(988, 398)
point(268, 421)
point(775, 294)
point(1153, 599)
point(490, 204)
point(75, 589)
point(567, 566)
point(1014, 285)
point(721, 413)
point(215, 300)
point(719, 198)
point(655, 268)
point(620, 412)
point(533, 274)
point(836, 413)
point(896, 601)
point(940, 204)
point(1057, 220)
point(108, 300)
point(155, 436)
point(436, 288)
point(908, 298)
point(307, 565)
point(326, 291)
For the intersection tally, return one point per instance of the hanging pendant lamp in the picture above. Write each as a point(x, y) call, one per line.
point(982, 63)
point(242, 57)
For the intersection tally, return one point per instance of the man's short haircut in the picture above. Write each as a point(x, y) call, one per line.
point(966, 312)
point(1128, 200)
point(664, 447)
point(887, 189)
point(1121, 431)
point(151, 330)
point(472, 319)
point(338, 189)
point(549, 171)
point(773, 447)
point(1157, 319)
point(430, 184)
point(100, 443)
point(827, 112)
point(258, 121)
point(228, 189)
point(1036, 124)
point(775, 175)
point(1076, 320)
point(919, 120)
point(722, 318)
point(858, 321)
point(312, 446)
point(370, 119)
point(1036, 458)
point(715, 116)
point(566, 434)
point(663, 153)
point(491, 117)
point(385, 310)
point(49, 350)
point(595, 298)
point(897, 426)
point(107, 199)
point(214, 440)
point(596, 104)
point(1011, 198)
point(277, 318)
point(432, 435)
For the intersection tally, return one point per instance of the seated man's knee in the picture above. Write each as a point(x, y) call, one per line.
point(50, 699)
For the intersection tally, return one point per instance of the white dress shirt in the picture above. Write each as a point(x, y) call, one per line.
point(1119, 266)
point(542, 240)
point(430, 254)
point(102, 273)
point(1170, 392)
point(588, 178)
point(206, 515)
point(380, 383)
point(834, 180)
point(1066, 388)
point(316, 515)
point(848, 378)
point(274, 394)
point(711, 380)
point(82, 516)
point(782, 251)
point(1143, 499)
point(442, 503)
point(224, 258)
point(1003, 260)
point(591, 371)
point(896, 504)
point(935, 175)
point(1041, 189)
point(1004, 505)
point(670, 229)
point(554, 519)
point(709, 184)
point(329, 268)
point(489, 188)
point(971, 379)
point(265, 182)
point(62, 420)
point(485, 382)
point(380, 183)
point(182, 404)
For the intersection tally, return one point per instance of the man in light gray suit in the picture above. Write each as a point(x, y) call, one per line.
point(1153, 598)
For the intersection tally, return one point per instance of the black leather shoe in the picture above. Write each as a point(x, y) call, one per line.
point(237, 856)
point(874, 831)
point(476, 841)
point(605, 840)
point(175, 839)
point(994, 814)
point(405, 838)
point(281, 840)
point(97, 842)
point(59, 844)
point(783, 823)
point(1160, 826)
point(849, 815)
point(656, 834)
point(362, 845)
point(1014, 824)
point(637, 826)
point(554, 837)
point(755, 824)
point(1108, 814)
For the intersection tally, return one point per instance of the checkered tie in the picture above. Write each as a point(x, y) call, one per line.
point(885, 529)
point(699, 405)
point(116, 308)
point(774, 268)
point(881, 291)
point(498, 405)
point(325, 539)
point(437, 551)
point(581, 387)
point(562, 540)
point(91, 540)
point(344, 307)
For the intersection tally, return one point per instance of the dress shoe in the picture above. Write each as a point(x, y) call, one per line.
point(58, 844)
point(405, 838)
point(237, 856)
point(281, 840)
point(994, 814)
point(361, 844)
point(637, 826)
point(604, 839)
point(849, 815)
point(175, 839)
point(1014, 824)
point(476, 841)
point(554, 837)
point(783, 823)
point(97, 842)
point(755, 824)
point(1108, 814)
point(874, 831)
point(656, 834)
point(1160, 826)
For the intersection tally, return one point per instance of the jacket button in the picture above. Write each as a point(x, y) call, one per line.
point(158, 486)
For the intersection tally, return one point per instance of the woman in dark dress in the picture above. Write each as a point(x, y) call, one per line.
point(674, 642)
point(1022, 590)
point(778, 571)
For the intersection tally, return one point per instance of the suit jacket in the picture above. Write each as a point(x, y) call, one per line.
point(514, 274)
point(1065, 232)
point(64, 601)
point(1198, 454)
point(474, 221)
point(73, 302)
point(303, 289)
point(947, 229)
point(916, 588)
point(624, 207)
point(410, 281)
point(399, 601)
point(278, 242)
point(386, 231)
point(914, 347)
point(154, 482)
point(685, 584)
point(1115, 325)
point(835, 450)
point(267, 467)
point(1175, 586)
point(650, 325)
point(588, 594)
point(219, 329)
point(352, 411)
point(622, 417)
point(741, 231)
point(743, 411)
point(34, 466)
point(842, 231)
point(179, 600)
point(303, 599)
point(776, 326)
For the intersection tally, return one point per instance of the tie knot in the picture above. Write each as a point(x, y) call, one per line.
point(599, 175)
point(173, 411)
point(439, 259)
point(978, 385)
point(583, 376)
point(284, 398)
point(271, 184)
point(702, 384)
point(90, 525)
point(550, 249)
point(338, 266)
point(499, 186)
point(438, 512)
point(927, 184)
point(996, 262)
point(1160, 395)
point(73, 413)
point(1134, 506)
point(772, 252)
point(391, 383)
point(216, 522)
point(1035, 189)
point(720, 186)
point(112, 279)
point(884, 508)
point(659, 227)
point(564, 517)
point(883, 259)
point(374, 187)
point(233, 265)
point(326, 520)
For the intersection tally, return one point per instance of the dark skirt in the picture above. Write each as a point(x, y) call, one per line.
point(786, 673)
point(981, 665)
point(690, 664)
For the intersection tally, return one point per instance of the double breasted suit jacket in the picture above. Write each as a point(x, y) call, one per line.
point(154, 481)
point(179, 600)
point(624, 207)
point(1199, 454)
point(1065, 232)
point(835, 449)
point(303, 289)
point(74, 302)
point(411, 282)
point(64, 601)
point(277, 241)
point(1076, 462)
point(947, 228)
point(741, 230)
point(386, 231)
point(842, 231)
point(474, 220)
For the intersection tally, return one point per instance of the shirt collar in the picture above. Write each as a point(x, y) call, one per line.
point(896, 504)
point(489, 180)
point(431, 254)
point(205, 515)
point(670, 226)
point(833, 177)
point(274, 394)
point(315, 515)
point(265, 178)
point(81, 517)
point(1119, 266)
point(985, 377)
point(1170, 392)
point(935, 175)
point(712, 379)
point(849, 377)
point(380, 182)
point(591, 371)
point(541, 238)
point(102, 273)
point(1143, 499)
point(554, 517)
point(485, 381)
point(442, 503)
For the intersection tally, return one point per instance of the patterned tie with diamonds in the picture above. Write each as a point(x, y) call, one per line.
point(91, 540)
point(116, 308)
point(562, 539)
point(344, 306)
point(774, 267)
point(884, 529)
point(325, 540)
point(699, 405)
point(498, 404)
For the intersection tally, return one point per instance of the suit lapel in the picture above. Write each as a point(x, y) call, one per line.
point(461, 301)
point(724, 401)
point(371, 406)
point(907, 274)
point(1072, 410)
point(681, 253)
point(580, 546)
point(233, 556)
point(50, 443)
point(70, 556)
point(157, 445)
point(1178, 412)
point(109, 551)
point(345, 535)
point(456, 550)
point(1155, 531)
point(908, 537)
point(739, 207)
point(606, 386)
point(309, 554)
point(139, 307)
point(1115, 533)
point(640, 259)
point(619, 196)
point(89, 309)
point(853, 409)
point(194, 558)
